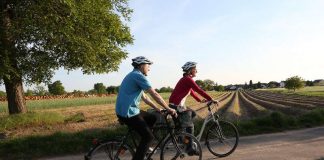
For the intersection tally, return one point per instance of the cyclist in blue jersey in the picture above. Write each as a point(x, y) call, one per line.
point(130, 93)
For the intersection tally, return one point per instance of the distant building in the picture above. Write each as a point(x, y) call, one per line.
point(282, 84)
point(319, 82)
point(230, 88)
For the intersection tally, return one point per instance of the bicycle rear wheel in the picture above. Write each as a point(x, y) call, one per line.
point(222, 139)
point(179, 147)
point(111, 150)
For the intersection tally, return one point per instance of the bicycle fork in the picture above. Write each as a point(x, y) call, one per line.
point(179, 152)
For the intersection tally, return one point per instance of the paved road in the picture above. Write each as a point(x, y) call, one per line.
point(306, 144)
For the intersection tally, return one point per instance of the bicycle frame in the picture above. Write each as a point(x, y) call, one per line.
point(209, 117)
point(170, 133)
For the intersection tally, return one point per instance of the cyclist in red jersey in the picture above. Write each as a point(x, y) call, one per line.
point(187, 86)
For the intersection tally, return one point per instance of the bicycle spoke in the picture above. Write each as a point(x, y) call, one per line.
point(112, 150)
point(222, 139)
point(108, 149)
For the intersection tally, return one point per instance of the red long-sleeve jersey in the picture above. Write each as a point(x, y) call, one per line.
point(184, 87)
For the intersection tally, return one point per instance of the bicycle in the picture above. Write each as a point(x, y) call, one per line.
point(172, 146)
point(220, 132)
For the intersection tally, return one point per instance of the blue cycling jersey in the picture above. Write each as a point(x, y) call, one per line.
point(130, 93)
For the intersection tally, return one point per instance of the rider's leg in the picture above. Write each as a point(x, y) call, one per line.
point(189, 127)
point(142, 128)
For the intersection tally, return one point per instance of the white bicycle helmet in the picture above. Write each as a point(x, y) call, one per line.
point(188, 65)
point(141, 60)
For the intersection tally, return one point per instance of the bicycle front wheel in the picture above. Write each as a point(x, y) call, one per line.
point(181, 146)
point(222, 139)
point(110, 150)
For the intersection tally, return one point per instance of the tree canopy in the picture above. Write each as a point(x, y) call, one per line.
point(40, 36)
point(100, 88)
point(112, 89)
point(56, 88)
point(207, 84)
point(294, 83)
point(164, 89)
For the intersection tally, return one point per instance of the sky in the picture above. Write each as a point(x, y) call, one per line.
point(233, 42)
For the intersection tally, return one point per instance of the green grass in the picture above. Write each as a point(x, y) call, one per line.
point(277, 121)
point(62, 103)
point(29, 119)
point(306, 91)
point(37, 119)
point(79, 117)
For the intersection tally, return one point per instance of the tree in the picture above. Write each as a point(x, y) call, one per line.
point(250, 84)
point(39, 90)
point(39, 36)
point(100, 88)
point(294, 83)
point(29, 92)
point(92, 91)
point(209, 84)
point(165, 89)
point(201, 84)
point(309, 83)
point(56, 88)
point(219, 88)
point(111, 89)
point(259, 85)
point(78, 93)
point(245, 86)
point(273, 84)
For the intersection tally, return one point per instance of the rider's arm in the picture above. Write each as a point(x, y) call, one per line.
point(196, 88)
point(156, 96)
point(148, 101)
point(194, 95)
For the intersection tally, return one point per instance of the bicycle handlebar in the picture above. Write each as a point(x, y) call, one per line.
point(209, 103)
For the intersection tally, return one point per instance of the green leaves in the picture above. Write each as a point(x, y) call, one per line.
point(47, 34)
point(294, 83)
point(56, 88)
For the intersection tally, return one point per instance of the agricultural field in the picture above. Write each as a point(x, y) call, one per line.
point(77, 114)
point(251, 104)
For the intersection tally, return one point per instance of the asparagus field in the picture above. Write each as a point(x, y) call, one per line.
point(239, 105)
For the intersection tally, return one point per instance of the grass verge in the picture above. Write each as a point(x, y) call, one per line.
point(30, 119)
point(277, 122)
point(76, 143)
point(56, 144)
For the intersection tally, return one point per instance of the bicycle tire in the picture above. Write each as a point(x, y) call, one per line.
point(182, 141)
point(222, 146)
point(111, 150)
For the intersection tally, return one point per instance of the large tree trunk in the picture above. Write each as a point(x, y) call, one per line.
point(15, 96)
point(12, 78)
